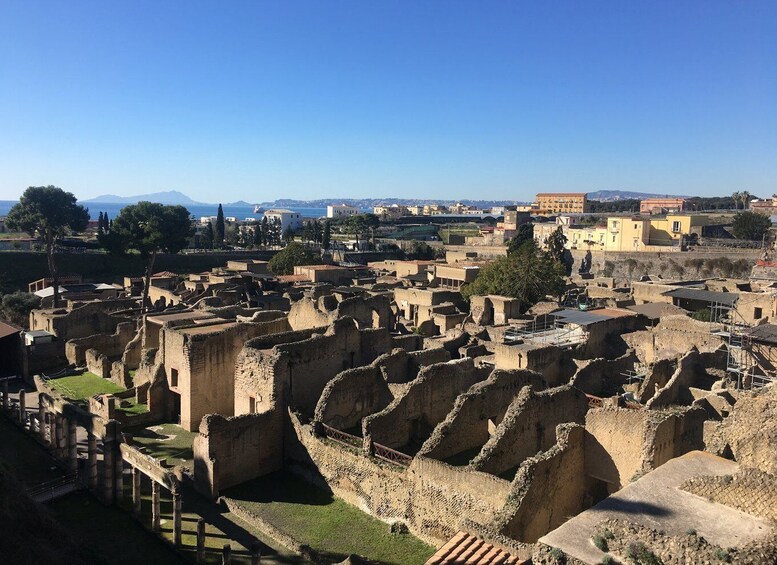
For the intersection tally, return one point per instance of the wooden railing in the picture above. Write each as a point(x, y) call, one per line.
point(390, 455)
point(341, 437)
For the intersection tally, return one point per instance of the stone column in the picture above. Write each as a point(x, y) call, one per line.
point(137, 499)
point(91, 453)
point(200, 541)
point(22, 407)
point(177, 518)
point(118, 475)
point(42, 418)
point(226, 555)
point(6, 398)
point(256, 553)
point(59, 437)
point(108, 472)
point(154, 505)
point(72, 445)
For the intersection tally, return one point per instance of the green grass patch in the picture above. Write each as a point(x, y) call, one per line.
point(81, 387)
point(133, 408)
point(111, 535)
point(166, 441)
point(330, 526)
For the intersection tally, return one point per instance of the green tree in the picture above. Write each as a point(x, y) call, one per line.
point(100, 229)
point(288, 235)
point(556, 244)
point(16, 307)
point(48, 212)
point(208, 236)
point(220, 228)
point(264, 230)
point(326, 237)
point(524, 233)
point(149, 228)
point(751, 225)
point(293, 254)
point(527, 275)
point(421, 251)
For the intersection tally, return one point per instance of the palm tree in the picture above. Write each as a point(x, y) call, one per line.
point(745, 196)
point(736, 196)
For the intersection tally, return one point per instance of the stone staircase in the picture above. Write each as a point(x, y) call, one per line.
point(465, 548)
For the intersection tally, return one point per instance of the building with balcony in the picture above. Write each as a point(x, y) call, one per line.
point(341, 211)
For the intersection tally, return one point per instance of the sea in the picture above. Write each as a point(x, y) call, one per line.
point(198, 211)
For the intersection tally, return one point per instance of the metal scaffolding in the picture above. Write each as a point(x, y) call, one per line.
point(546, 330)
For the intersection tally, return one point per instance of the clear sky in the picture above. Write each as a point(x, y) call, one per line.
point(498, 100)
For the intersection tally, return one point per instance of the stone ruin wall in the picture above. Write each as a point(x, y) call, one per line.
point(111, 345)
point(426, 402)
point(230, 451)
point(599, 377)
point(351, 396)
point(529, 427)
point(673, 337)
point(547, 489)
point(750, 490)
point(432, 498)
point(468, 425)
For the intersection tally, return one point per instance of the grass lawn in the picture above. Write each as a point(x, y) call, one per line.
point(134, 407)
point(327, 524)
point(166, 441)
point(112, 534)
point(29, 462)
point(81, 387)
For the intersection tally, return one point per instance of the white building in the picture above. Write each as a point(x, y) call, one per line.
point(287, 218)
point(341, 211)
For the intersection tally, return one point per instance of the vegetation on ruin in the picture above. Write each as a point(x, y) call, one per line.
point(750, 225)
point(638, 553)
point(292, 255)
point(130, 407)
point(330, 526)
point(528, 275)
point(81, 387)
point(48, 213)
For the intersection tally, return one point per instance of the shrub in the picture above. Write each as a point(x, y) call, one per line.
point(608, 534)
point(702, 315)
point(639, 553)
point(722, 555)
point(600, 542)
point(690, 532)
point(558, 555)
point(607, 560)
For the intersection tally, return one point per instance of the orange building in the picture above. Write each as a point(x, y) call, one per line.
point(549, 203)
point(661, 205)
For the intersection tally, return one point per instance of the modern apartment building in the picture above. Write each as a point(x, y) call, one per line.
point(287, 218)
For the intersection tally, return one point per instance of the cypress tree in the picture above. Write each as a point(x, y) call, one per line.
point(220, 227)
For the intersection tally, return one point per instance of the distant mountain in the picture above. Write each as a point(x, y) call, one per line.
point(238, 203)
point(613, 195)
point(168, 197)
point(371, 202)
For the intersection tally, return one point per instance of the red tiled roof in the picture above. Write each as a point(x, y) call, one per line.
point(293, 278)
point(466, 548)
point(164, 274)
point(8, 329)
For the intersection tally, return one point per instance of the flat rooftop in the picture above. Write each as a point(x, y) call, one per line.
point(161, 319)
point(213, 328)
point(657, 502)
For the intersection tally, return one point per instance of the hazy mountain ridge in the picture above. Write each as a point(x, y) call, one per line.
point(613, 195)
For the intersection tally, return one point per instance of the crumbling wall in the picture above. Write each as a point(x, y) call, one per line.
point(400, 366)
point(749, 433)
point(352, 395)
point(304, 314)
point(556, 365)
point(230, 451)
point(671, 338)
point(98, 364)
point(750, 490)
point(477, 413)
point(547, 489)
point(426, 402)
point(83, 320)
point(529, 426)
point(433, 499)
point(111, 345)
point(657, 377)
point(622, 444)
point(692, 371)
point(602, 377)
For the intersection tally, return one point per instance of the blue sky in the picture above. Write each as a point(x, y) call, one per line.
point(498, 100)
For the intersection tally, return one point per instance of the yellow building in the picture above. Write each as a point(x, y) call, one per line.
point(549, 203)
point(622, 233)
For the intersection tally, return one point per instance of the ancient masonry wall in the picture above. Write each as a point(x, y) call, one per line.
point(352, 395)
point(426, 402)
point(547, 489)
point(111, 345)
point(477, 412)
point(529, 426)
point(601, 376)
point(230, 451)
point(432, 498)
point(750, 491)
